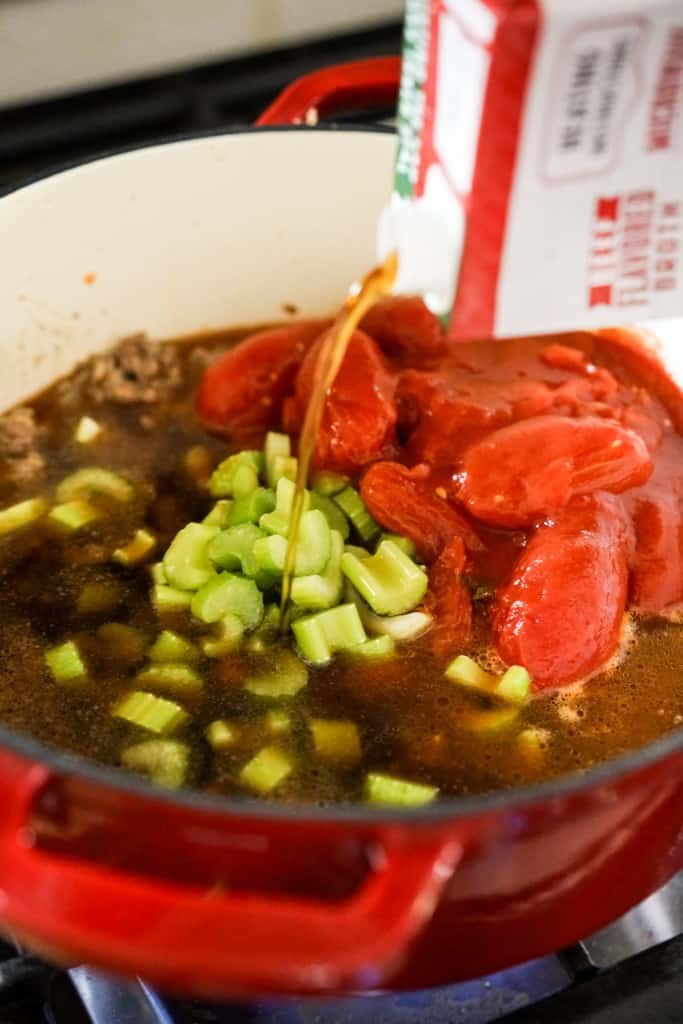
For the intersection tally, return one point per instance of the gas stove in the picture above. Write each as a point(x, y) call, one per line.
point(630, 971)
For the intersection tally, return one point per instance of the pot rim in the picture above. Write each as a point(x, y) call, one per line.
point(441, 811)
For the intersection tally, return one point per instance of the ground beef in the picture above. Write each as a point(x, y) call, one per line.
point(20, 460)
point(135, 370)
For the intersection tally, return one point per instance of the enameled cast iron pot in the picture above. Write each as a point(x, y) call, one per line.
point(222, 897)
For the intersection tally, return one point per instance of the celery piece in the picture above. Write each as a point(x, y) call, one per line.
point(492, 721)
point(164, 761)
point(232, 549)
point(222, 481)
point(336, 742)
point(157, 573)
point(386, 789)
point(404, 543)
point(408, 626)
point(99, 597)
point(21, 514)
point(180, 680)
point(466, 672)
point(321, 590)
point(137, 550)
point(377, 647)
point(319, 636)
point(121, 643)
point(334, 515)
point(170, 599)
point(514, 685)
point(74, 515)
point(286, 466)
point(284, 677)
point(312, 550)
point(389, 580)
point(227, 594)
point(197, 461)
point(219, 514)
point(278, 722)
point(66, 665)
point(156, 714)
point(171, 646)
point(221, 735)
point(227, 636)
point(94, 482)
point(532, 743)
point(275, 446)
point(250, 508)
point(351, 503)
point(354, 549)
point(186, 562)
point(277, 521)
point(87, 430)
point(328, 483)
point(266, 770)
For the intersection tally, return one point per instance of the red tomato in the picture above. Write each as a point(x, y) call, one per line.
point(407, 501)
point(519, 473)
point(404, 328)
point(242, 390)
point(448, 600)
point(360, 413)
point(657, 569)
point(560, 614)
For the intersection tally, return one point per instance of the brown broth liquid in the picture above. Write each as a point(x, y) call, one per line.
point(410, 718)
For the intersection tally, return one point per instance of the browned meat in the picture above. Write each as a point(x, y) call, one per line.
point(20, 460)
point(135, 370)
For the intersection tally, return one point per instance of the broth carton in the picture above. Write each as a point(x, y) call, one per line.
point(539, 176)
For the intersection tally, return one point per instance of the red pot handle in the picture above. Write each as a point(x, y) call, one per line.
point(219, 941)
point(347, 87)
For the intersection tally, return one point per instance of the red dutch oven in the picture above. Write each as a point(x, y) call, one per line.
point(220, 897)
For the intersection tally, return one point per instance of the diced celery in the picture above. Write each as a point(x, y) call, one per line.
point(137, 550)
point(377, 647)
point(329, 483)
point(186, 562)
point(121, 643)
point(170, 599)
point(250, 508)
point(277, 521)
point(286, 466)
point(319, 636)
point(156, 714)
point(389, 580)
point(94, 482)
point(284, 677)
point(408, 626)
point(164, 761)
point(321, 590)
point(227, 594)
point(312, 550)
point(275, 445)
point(351, 503)
point(266, 770)
point(532, 743)
point(74, 515)
point(233, 549)
point(336, 742)
point(180, 680)
point(387, 789)
point(466, 672)
point(226, 637)
point(221, 735)
point(334, 515)
point(198, 464)
point(219, 514)
point(404, 543)
point(21, 514)
point(98, 597)
point(157, 573)
point(227, 478)
point(87, 430)
point(514, 685)
point(66, 665)
point(171, 646)
point(354, 549)
point(496, 720)
point(278, 722)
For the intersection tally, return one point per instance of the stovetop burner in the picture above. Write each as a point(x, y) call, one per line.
point(630, 971)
